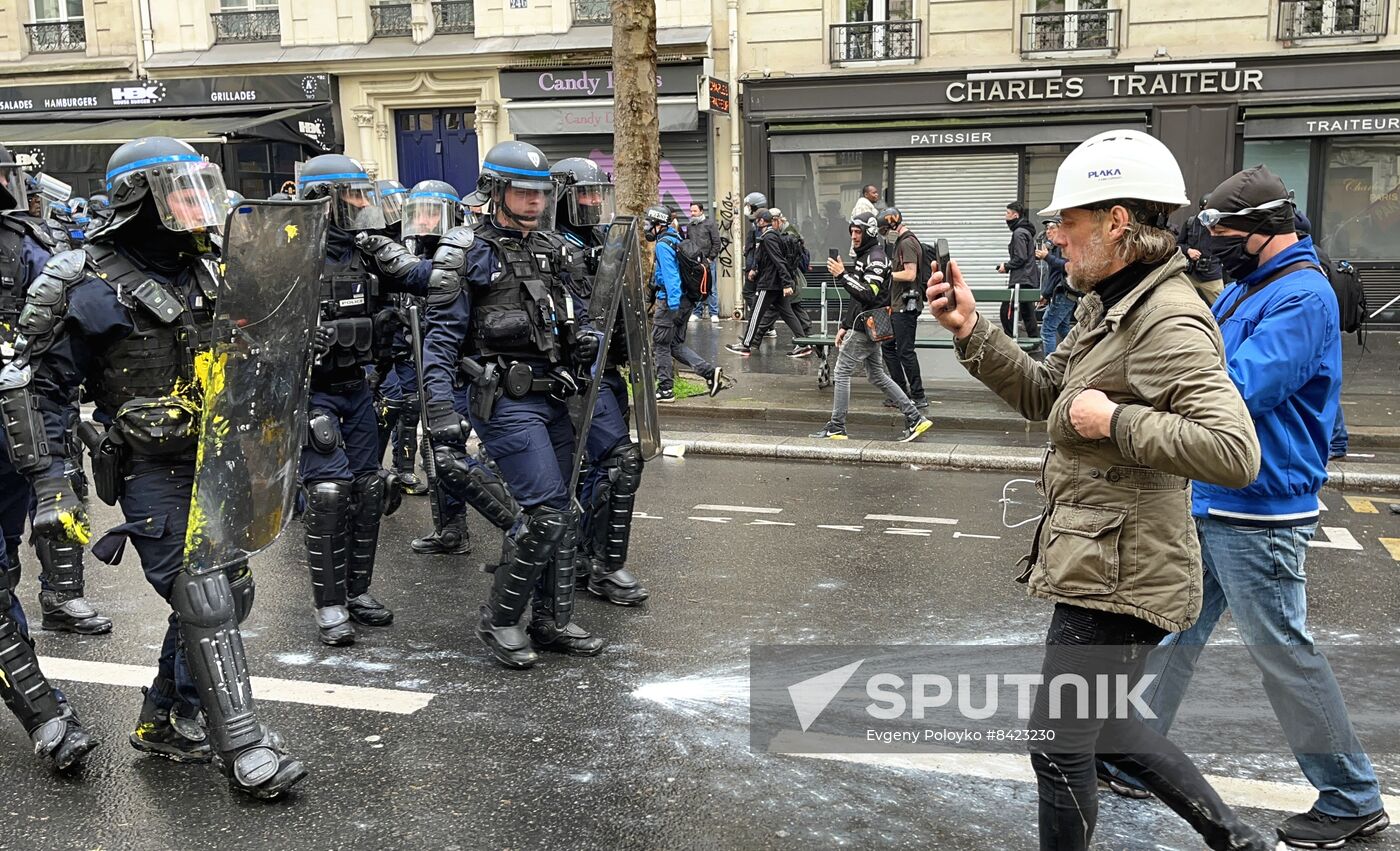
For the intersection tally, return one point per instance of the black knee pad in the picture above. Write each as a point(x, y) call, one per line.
point(327, 505)
point(203, 601)
point(240, 581)
point(624, 467)
point(323, 431)
point(371, 495)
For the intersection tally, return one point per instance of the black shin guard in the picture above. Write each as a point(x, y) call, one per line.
point(533, 553)
point(326, 520)
point(611, 525)
point(554, 592)
point(60, 566)
point(23, 686)
point(487, 493)
point(368, 509)
point(406, 439)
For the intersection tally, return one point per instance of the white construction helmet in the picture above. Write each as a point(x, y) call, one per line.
point(1126, 164)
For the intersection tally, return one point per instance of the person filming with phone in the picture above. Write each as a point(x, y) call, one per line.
point(1138, 402)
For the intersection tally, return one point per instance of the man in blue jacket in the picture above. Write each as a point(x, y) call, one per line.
point(672, 308)
point(1055, 294)
point(1283, 350)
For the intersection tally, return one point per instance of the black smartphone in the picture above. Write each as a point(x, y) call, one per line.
point(833, 253)
point(940, 256)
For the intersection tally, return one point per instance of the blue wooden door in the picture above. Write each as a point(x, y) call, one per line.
point(437, 144)
point(459, 157)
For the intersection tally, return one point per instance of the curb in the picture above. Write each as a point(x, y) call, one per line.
point(947, 456)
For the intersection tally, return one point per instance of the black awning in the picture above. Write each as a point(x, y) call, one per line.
point(311, 127)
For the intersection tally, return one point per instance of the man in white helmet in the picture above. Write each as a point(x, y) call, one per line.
point(1138, 403)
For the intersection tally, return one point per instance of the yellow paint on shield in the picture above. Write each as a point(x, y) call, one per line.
point(1393, 545)
point(292, 232)
point(1361, 505)
point(76, 531)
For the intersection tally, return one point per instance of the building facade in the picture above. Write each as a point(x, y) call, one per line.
point(955, 109)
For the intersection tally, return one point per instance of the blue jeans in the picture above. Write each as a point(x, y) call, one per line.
point(1258, 575)
point(712, 302)
point(1055, 326)
point(1340, 437)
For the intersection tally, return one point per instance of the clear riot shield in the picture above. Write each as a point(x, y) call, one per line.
point(255, 380)
point(641, 360)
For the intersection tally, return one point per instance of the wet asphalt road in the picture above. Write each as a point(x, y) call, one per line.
point(647, 745)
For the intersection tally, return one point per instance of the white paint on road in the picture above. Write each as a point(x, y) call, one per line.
point(917, 533)
point(842, 528)
point(334, 695)
point(769, 523)
point(901, 518)
point(700, 696)
point(1238, 792)
point(738, 509)
point(983, 537)
point(712, 519)
point(644, 516)
point(1337, 538)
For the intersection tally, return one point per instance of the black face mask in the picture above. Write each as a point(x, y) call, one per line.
point(1234, 255)
point(1011, 224)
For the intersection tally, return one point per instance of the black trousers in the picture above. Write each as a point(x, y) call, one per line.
point(901, 358)
point(1090, 643)
point(765, 301)
point(1027, 319)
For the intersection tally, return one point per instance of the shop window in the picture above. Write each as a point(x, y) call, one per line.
point(1042, 167)
point(817, 191)
point(261, 167)
point(1361, 199)
point(1290, 159)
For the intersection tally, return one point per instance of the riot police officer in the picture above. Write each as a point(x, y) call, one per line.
point(125, 317)
point(608, 492)
point(346, 491)
point(24, 249)
point(392, 197)
point(40, 708)
point(429, 212)
point(502, 315)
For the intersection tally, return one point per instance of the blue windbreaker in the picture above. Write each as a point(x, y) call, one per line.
point(1283, 348)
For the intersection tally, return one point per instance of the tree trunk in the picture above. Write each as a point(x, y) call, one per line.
point(637, 126)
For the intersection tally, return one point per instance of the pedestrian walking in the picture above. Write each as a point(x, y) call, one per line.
point(908, 273)
point(772, 277)
point(1021, 267)
point(705, 234)
point(1056, 295)
point(673, 305)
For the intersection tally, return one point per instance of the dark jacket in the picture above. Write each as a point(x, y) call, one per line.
point(867, 281)
point(1055, 275)
point(1196, 235)
point(1021, 261)
point(705, 235)
point(771, 261)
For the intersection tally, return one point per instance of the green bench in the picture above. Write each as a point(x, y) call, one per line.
point(827, 296)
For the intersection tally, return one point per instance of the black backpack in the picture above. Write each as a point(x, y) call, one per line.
point(928, 256)
point(695, 272)
point(1351, 296)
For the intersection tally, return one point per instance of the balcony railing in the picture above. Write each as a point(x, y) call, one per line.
point(1057, 32)
point(592, 12)
point(874, 41)
point(56, 36)
point(391, 19)
point(1301, 20)
point(250, 25)
point(454, 16)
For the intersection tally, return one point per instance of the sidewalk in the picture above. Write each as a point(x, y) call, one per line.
point(776, 403)
point(776, 394)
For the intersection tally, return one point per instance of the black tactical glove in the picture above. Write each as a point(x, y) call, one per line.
point(59, 515)
point(586, 350)
point(391, 258)
point(322, 340)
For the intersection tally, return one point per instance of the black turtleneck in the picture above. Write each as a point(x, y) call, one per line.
point(1120, 283)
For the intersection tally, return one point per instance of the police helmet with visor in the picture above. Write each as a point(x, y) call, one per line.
point(187, 190)
point(432, 209)
point(354, 196)
point(515, 177)
point(587, 192)
point(392, 197)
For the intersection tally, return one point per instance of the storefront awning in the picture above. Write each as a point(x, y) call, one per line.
point(284, 125)
point(595, 115)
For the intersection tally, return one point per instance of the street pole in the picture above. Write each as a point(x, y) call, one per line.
point(736, 235)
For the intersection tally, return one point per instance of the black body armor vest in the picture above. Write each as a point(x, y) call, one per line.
point(349, 296)
point(12, 273)
point(525, 312)
point(172, 323)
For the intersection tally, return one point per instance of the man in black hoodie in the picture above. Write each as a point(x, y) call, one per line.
point(1022, 268)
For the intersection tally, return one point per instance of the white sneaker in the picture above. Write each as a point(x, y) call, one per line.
point(772, 333)
point(693, 318)
point(714, 319)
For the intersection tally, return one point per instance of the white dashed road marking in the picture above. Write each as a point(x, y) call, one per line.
point(738, 509)
point(392, 701)
point(769, 523)
point(712, 519)
point(842, 528)
point(918, 533)
point(900, 518)
point(1337, 539)
point(983, 537)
